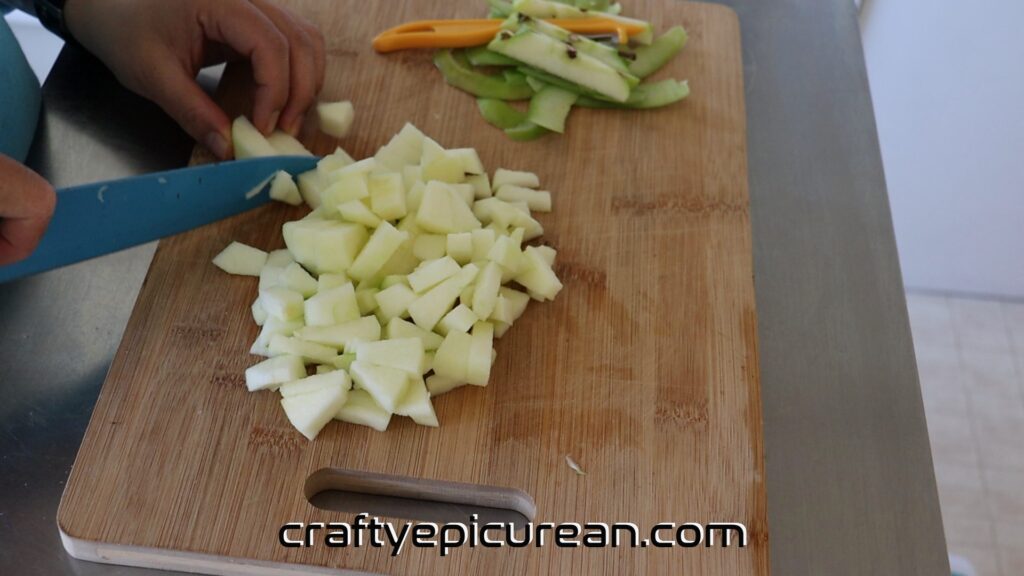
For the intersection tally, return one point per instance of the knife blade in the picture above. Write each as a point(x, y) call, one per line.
point(96, 219)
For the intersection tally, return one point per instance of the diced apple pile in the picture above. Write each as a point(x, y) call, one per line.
point(397, 283)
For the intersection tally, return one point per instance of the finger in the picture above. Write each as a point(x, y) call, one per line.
point(301, 65)
point(174, 89)
point(320, 52)
point(246, 30)
point(27, 202)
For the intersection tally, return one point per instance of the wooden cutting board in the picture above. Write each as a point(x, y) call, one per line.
point(644, 369)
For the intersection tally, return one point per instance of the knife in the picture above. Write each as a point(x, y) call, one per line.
point(97, 219)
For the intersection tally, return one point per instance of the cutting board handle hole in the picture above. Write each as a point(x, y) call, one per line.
point(417, 499)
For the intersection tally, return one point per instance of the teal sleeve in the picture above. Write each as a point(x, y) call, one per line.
point(19, 90)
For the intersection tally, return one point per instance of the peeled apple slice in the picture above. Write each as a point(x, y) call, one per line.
point(283, 189)
point(398, 328)
point(332, 306)
point(311, 352)
point(309, 413)
point(241, 259)
point(405, 354)
point(362, 409)
point(342, 336)
point(387, 385)
point(382, 245)
point(286, 145)
point(336, 118)
point(416, 404)
point(438, 385)
point(274, 372)
point(503, 177)
point(316, 383)
point(248, 141)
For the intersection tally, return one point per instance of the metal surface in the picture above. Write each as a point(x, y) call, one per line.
point(851, 488)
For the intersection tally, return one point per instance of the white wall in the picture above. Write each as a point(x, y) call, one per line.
point(947, 80)
point(40, 46)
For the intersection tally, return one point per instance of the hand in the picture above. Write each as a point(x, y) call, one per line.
point(26, 205)
point(156, 48)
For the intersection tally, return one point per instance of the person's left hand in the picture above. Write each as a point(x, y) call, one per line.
point(156, 48)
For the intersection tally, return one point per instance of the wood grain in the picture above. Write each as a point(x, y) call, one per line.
point(644, 369)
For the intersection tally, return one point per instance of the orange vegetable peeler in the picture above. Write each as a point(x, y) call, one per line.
point(467, 33)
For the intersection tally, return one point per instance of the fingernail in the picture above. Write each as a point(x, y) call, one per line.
point(274, 116)
point(217, 144)
point(296, 126)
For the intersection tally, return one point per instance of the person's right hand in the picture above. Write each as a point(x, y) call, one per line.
point(26, 205)
point(156, 48)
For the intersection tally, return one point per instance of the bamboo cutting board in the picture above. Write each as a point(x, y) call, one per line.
point(644, 369)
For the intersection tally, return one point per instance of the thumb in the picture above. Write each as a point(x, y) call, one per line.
point(26, 205)
point(176, 91)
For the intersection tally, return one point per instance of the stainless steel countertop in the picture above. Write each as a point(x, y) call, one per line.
point(851, 487)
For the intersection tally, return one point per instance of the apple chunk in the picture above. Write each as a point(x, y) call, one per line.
point(310, 412)
point(241, 259)
point(274, 372)
point(385, 384)
point(362, 409)
point(336, 118)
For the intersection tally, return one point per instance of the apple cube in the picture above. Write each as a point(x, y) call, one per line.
point(470, 160)
point(294, 277)
point(460, 319)
point(481, 185)
point(342, 336)
point(504, 177)
point(282, 303)
point(248, 141)
point(485, 295)
point(394, 301)
point(429, 246)
point(323, 245)
point(405, 354)
point(537, 276)
point(310, 384)
point(478, 364)
point(483, 241)
point(343, 361)
point(357, 211)
point(283, 189)
point(452, 358)
point(335, 118)
point(332, 306)
point(387, 196)
point(429, 308)
point(259, 314)
point(398, 328)
point(309, 413)
point(416, 404)
point(360, 408)
point(387, 385)
point(241, 259)
point(311, 187)
point(328, 281)
point(378, 250)
point(433, 272)
point(367, 300)
point(405, 148)
point(460, 247)
point(273, 372)
point(286, 145)
point(535, 200)
point(438, 385)
point(311, 352)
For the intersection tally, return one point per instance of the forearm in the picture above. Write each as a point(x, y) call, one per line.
point(23, 5)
